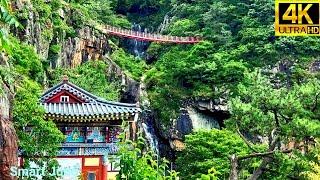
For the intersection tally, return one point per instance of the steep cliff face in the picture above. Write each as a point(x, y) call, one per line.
point(88, 45)
point(33, 32)
point(69, 51)
point(8, 137)
point(8, 140)
point(60, 49)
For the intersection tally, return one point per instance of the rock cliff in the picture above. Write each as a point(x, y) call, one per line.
point(8, 137)
point(69, 51)
point(60, 49)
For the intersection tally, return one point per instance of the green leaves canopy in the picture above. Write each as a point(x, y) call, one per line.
point(284, 115)
point(209, 149)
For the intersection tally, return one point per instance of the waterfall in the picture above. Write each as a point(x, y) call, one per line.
point(202, 121)
point(151, 136)
point(167, 19)
point(147, 119)
point(164, 24)
point(136, 47)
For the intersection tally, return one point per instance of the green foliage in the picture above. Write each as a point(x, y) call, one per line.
point(212, 175)
point(43, 9)
point(7, 75)
point(148, 13)
point(101, 11)
point(135, 163)
point(239, 37)
point(26, 61)
point(53, 53)
point(185, 72)
point(133, 66)
point(97, 10)
point(55, 48)
point(23, 71)
point(44, 138)
point(314, 173)
point(7, 19)
point(183, 27)
point(91, 76)
point(261, 108)
point(285, 114)
point(47, 34)
point(209, 150)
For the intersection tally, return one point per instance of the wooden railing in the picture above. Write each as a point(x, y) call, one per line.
point(148, 36)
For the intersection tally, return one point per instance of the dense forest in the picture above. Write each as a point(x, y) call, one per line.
point(270, 86)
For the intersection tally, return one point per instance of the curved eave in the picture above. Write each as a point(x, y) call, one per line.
point(89, 118)
point(88, 109)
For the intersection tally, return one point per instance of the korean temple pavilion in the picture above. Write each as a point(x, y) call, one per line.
point(91, 126)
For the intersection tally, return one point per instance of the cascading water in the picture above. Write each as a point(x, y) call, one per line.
point(151, 136)
point(136, 47)
point(147, 119)
point(191, 119)
point(202, 121)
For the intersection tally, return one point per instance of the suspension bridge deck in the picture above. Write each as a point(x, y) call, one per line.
point(142, 36)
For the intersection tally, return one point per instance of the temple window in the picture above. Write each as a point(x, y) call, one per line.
point(64, 98)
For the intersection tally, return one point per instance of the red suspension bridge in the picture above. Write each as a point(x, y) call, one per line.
point(142, 36)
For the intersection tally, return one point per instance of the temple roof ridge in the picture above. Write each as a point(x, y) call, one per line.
point(90, 104)
point(78, 91)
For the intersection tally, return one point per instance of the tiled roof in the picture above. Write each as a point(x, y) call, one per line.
point(87, 109)
point(93, 106)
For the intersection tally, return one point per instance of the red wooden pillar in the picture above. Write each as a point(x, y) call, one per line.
point(104, 169)
point(104, 172)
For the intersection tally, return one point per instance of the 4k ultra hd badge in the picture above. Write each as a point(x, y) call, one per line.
point(297, 18)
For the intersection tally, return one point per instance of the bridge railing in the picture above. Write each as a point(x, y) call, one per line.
point(150, 36)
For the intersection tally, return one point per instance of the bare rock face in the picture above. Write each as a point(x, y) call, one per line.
point(34, 32)
point(8, 137)
point(8, 140)
point(88, 45)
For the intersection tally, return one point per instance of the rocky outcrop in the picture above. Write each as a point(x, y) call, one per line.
point(60, 51)
point(8, 140)
point(315, 66)
point(8, 137)
point(33, 32)
point(200, 114)
point(196, 114)
point(88, 45)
